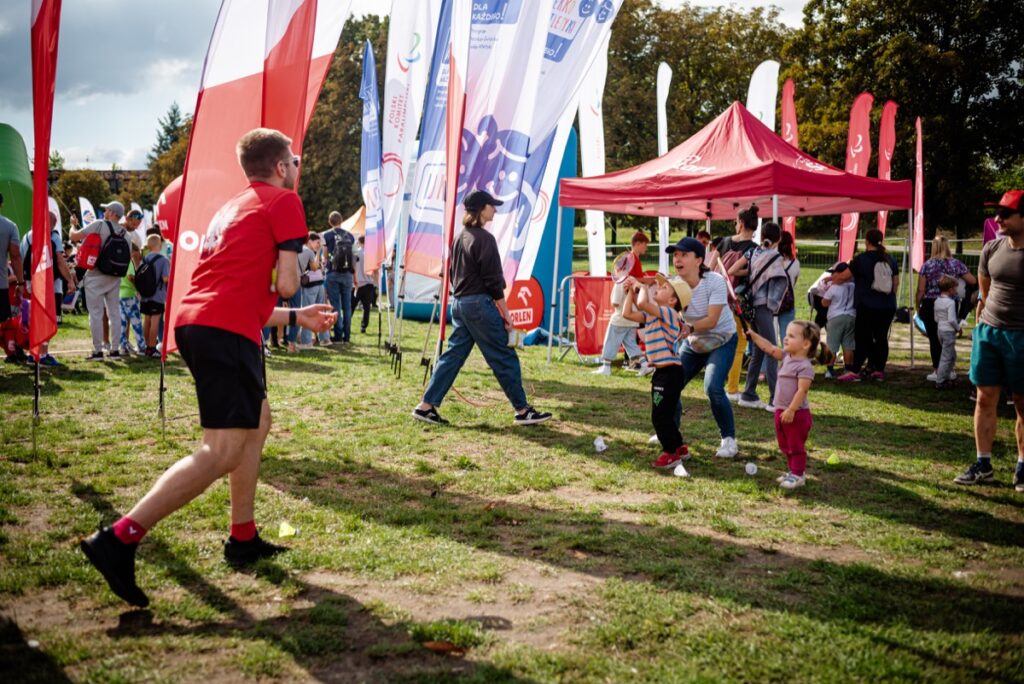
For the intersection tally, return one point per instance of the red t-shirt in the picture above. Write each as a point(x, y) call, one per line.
point(638, 269)
point(230, 287)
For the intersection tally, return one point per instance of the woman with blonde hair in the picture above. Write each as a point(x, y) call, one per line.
point(941, 263)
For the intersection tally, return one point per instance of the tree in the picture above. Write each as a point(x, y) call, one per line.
point(954, 63)
point(80, 183)
point(56, 161)
point(168, 133)
point(330, 159)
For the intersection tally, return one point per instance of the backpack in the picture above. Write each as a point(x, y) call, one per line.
point(115, 254)
point(745, 292)
point(342, 259)
point(788, 301)
point(728, 259)
point(27, 264)
point(882, 276)
point(146, 281)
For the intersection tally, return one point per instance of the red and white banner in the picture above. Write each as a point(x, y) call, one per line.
point(858, 155)
point(593, 301)
point(45, 33)
point(265, 65)
point(917, 234)
point(411, 33)
point(791, 135)
point(886, 146)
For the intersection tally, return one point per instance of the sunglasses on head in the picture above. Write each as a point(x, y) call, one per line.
point(1006, 212)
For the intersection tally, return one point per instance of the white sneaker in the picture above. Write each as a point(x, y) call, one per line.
point(653, 439)
point(932, 377)
point(782, 477)
point(645, 369)
point(603, 369)
point(829, 375)
point(680, 471)
point(756, 404)
point(728, 448)
point(791, 481)
point(769, 408)
point(733, 397)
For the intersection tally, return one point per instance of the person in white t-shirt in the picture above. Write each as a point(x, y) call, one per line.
point(842, 316)
point(620, 332)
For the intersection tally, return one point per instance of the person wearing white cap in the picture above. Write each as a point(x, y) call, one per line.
point(102, 290)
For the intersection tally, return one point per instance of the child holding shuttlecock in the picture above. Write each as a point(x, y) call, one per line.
point(801, 343)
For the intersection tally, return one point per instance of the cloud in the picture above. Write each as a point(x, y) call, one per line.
point(113, 48)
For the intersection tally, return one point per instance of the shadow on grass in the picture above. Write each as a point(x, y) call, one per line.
point(335, 639)
point(664, 555)
point(23, 663)
point(51, 380)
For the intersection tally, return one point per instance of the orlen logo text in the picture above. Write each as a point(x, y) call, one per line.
point(690, 164)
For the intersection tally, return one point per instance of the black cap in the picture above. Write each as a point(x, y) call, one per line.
point(839, 267)
point(475, 201)
point(688, 244)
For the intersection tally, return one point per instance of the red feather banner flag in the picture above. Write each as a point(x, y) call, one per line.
point(886, 145)
point(858, 154)
point(790, 135)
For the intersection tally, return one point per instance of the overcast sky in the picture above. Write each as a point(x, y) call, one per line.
point(121, 63)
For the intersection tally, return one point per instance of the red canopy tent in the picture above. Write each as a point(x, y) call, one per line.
point(732, 162)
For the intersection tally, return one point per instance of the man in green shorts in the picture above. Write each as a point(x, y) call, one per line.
point(997, 356)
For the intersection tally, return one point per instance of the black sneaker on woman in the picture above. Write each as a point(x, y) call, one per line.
point(429, 415)
point(531, 417)
point(239, 553)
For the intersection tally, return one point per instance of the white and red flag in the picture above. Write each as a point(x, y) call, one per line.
point(265, 65)
point(886, 146)
point(791, 135)
point(45, 33)
point(917, 233)
point(858, 155)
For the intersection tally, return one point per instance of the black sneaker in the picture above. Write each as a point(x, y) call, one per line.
point(1018, 479)
point(95, 356)
point(429, 416)
point(116, 562)
point(974, 475)
point(531, 417)
point(239, 554)
point(115, 355)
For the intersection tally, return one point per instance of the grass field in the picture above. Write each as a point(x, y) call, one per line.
point(536, 558)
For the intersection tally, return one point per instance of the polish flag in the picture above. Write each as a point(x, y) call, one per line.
point(858, 155)
point(45, 33)
point(790, 135)
point(886, 146)
point(265, 66)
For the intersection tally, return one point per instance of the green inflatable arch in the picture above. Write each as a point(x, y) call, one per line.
point(15, 178)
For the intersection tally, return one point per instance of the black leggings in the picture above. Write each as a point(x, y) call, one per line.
point(927, 313)
point(365, 294)
point(666, 386)
point(872, 336)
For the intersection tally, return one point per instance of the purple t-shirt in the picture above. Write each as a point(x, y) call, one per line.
point(933, 269)
point(787, 383)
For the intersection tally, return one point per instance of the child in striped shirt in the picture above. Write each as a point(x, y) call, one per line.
point(658, 309)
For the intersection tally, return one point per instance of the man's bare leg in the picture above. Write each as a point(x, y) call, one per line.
point(243, 478)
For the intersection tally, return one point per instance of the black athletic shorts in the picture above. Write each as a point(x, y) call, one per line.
point(5, 305)
point(151, 308)
point(229, 374)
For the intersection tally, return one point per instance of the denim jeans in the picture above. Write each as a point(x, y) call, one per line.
point(476, 320)
point(782, 320)
point(716, 366)
point(339, 295)
point(764, 325)
point(312, 295)
point(616, 335)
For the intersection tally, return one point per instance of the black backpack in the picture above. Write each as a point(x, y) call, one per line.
point(146, 282)
point(342, 259)
point(115, 254)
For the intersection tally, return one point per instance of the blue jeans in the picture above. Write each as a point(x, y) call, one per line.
point(716, 366)
point(476, 320)
point(291, 333)
point(339, 295)
point(312, 295)
point(783, 320)
point(764, 325)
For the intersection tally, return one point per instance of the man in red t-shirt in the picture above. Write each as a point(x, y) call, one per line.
point(218, 331)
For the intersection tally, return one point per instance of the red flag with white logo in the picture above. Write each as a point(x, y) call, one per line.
point(917, 241)
point(886, 145)
point(790, 135)
point(593, 299)
point(45, 31)
point(265, 66)
point(858, 154)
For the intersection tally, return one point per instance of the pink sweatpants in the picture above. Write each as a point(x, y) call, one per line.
point(793, 437)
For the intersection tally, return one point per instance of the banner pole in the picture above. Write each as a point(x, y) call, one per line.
point(163, 390)
point(35, 405)
point(910, 274)
point(554, 279)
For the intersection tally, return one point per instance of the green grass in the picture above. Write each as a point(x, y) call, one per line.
point(540, 558)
